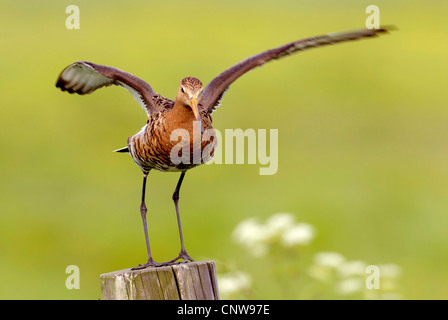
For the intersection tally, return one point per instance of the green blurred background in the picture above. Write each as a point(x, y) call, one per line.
point(363, 131)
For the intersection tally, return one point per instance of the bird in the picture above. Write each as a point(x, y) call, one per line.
point(189, 114)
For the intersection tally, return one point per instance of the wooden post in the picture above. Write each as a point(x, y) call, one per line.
point(184, 281)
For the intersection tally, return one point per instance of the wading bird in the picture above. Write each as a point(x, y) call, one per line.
point(151, 148)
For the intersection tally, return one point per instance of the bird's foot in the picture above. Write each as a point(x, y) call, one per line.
point(150, 263)
point(182, 255)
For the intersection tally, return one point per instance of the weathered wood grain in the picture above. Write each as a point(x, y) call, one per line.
point(185, 281)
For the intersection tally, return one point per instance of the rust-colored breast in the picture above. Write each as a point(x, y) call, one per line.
point(168, 145)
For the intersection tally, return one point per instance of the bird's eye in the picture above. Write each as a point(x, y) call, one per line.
point(182, 89)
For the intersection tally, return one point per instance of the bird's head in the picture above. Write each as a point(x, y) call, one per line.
point(190, 90)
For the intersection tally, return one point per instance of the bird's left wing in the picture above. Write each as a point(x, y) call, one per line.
point(215, 89)
point(84, 77)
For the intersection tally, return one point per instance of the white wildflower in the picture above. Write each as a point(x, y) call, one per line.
point(278, 229)
point(299, 234)
point(251, 234)
point(328, 259)
point(233, 282)
point(279, 222)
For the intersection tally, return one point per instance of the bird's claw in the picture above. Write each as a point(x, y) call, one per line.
point(151, 263)
point(182, 255)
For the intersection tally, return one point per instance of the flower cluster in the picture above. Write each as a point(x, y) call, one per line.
point(232, 283)
point(300, 275)
point(351, 277)
point(279, 229)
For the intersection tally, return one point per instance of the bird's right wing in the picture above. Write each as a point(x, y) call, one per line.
point(84, 77)
point(215, 89)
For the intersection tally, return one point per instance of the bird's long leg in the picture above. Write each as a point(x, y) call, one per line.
point(143, 210)
point(183, 253)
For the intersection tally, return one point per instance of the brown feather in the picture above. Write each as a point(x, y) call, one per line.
point(215, 89)
point(84, 77)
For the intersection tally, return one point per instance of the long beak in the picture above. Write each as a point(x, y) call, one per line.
point(194, 107)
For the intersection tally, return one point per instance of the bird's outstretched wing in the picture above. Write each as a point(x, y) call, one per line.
point(84, 77)
point(215, 89)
